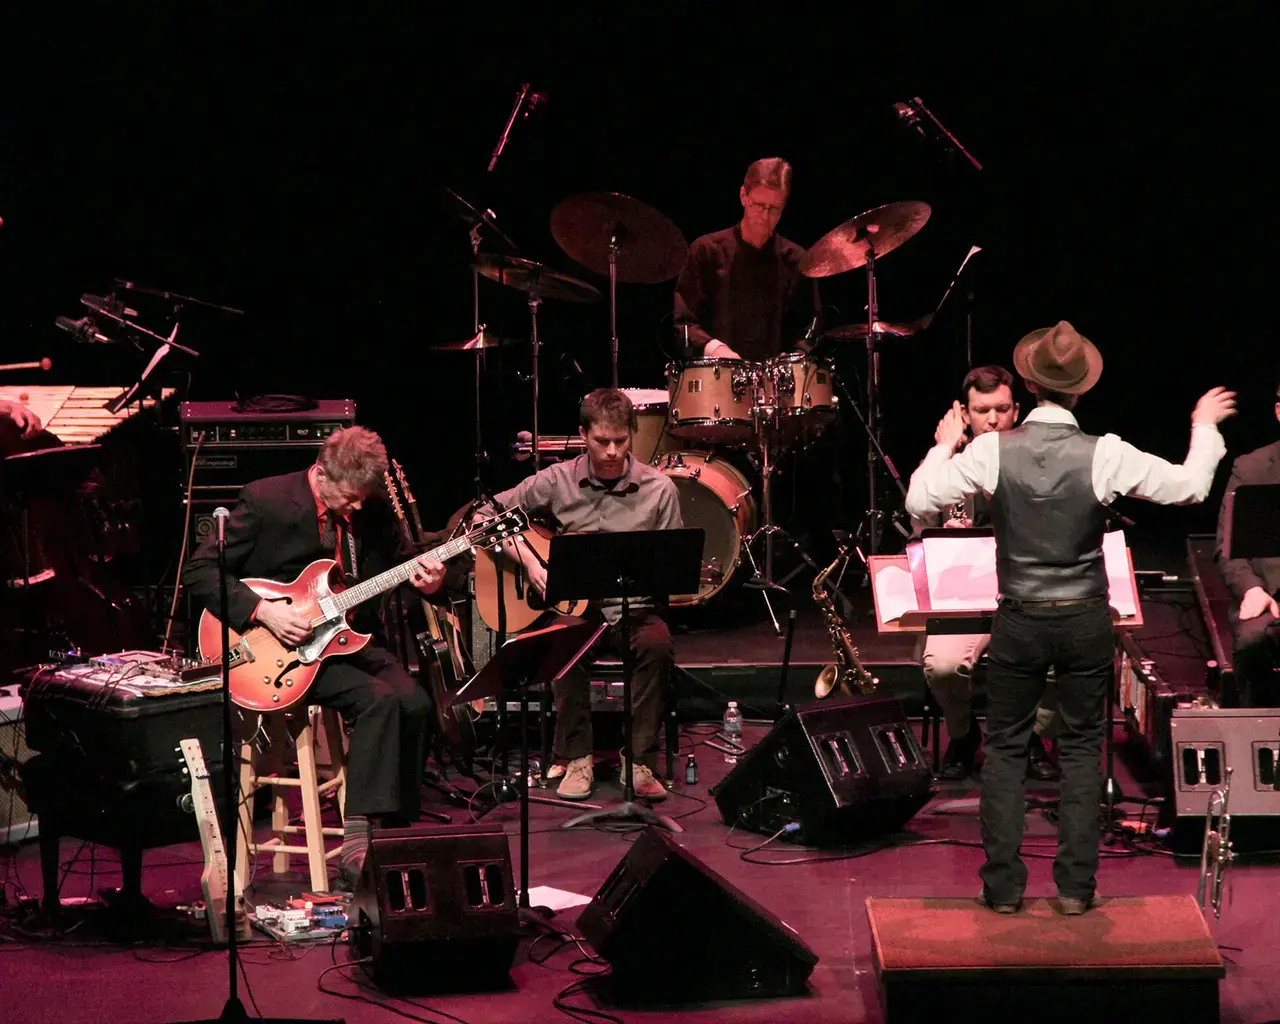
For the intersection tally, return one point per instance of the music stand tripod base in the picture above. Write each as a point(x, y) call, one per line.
point(604, 566)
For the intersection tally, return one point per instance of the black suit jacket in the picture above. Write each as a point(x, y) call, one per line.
point(274, 533)
point(1241, 574)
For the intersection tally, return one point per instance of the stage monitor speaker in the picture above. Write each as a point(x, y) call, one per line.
point(843, 770)
point(674, 930)
point(435, 908)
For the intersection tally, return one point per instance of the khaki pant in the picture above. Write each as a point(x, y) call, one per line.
point(948, 669)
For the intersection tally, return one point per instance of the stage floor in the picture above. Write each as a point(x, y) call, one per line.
point(81, 978)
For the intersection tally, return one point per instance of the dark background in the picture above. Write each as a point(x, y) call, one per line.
point(290, 165)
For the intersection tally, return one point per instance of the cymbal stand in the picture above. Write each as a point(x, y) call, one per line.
point(872, 520)
point(535, 300)
point(481, 457)
point(613, 302)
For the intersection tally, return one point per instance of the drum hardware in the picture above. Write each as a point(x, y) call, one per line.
point(621, 238)
point(538, 282)
point(859, 243)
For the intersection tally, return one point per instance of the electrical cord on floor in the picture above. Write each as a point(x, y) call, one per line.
point(360, 998)
point(581, 1013)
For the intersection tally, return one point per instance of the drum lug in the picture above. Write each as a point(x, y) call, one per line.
point(716, 372)
point(717, 411)
point(696, 473)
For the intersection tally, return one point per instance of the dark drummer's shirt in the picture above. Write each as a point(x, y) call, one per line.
point(754, 300)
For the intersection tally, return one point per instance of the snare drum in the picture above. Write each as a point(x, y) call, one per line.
point(716, 497)
point(650, 405)
point(712, 399)
point(803, 392)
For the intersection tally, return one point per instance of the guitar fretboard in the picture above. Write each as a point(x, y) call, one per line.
point(385, 581)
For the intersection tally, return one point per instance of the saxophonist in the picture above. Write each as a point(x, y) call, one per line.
point(986, 404)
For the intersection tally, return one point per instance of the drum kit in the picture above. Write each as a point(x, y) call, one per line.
point(710, 405)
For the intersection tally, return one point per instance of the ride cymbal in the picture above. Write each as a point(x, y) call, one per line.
point(650, 248)
point(884, 228)
point(535, 278)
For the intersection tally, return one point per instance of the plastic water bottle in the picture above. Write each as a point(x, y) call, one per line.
point(732, 729)
point(691, 771)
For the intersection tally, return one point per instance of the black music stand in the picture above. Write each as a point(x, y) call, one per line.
point(638, 563)
point(534, 656)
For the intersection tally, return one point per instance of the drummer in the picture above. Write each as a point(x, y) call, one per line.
point(741, 294)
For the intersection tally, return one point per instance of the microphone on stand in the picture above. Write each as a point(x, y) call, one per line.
point(910, 116)
point(83, 330)
point(523, 97)
point(220, 514)
point(108, 304)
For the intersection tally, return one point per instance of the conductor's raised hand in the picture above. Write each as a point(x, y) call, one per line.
point(1214, 406)
point(951, 428)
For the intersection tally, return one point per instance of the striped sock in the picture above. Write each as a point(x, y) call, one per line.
point(356, 832)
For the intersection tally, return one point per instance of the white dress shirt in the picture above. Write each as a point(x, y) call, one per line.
point(943, 479)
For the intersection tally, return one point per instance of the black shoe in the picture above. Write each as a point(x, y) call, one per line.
point(1040, 766)
point(1071, 907)
point(1000, 908)
point(960, 760)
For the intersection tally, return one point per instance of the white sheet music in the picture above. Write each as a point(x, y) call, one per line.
point(961, 574)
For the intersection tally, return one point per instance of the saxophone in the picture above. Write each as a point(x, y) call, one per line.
point(848, 673)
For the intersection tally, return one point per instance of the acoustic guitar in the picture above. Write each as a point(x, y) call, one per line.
point(523, 604)
point(270, 675)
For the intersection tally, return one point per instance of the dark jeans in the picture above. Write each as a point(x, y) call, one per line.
point(1077, 641)
point(653, 653)
point(1256, 653)
point(387, 714)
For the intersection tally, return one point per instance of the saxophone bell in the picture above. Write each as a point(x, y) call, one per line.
point(847, 672)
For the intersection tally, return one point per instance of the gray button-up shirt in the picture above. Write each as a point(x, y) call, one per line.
point(577, 501)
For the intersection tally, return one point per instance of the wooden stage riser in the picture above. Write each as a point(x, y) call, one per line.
point(912, 1001)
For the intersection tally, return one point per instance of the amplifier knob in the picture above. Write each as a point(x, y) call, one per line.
point(275, 697)
point(266, 679)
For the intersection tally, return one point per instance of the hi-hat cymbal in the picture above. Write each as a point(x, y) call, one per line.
point(485, 339)
point(884, 328)
point(650, 248)
point(528, 276)
point(884, 228)
point(468, 214)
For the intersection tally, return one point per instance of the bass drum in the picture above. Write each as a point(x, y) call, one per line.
point(716, 497)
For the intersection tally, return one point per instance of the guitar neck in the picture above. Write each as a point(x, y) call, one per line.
point(393, 578)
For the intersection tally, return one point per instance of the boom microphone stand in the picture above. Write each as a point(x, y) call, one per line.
point(233, 1012)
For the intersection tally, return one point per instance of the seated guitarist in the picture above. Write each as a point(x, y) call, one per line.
point(605, 491)
point(281, 525)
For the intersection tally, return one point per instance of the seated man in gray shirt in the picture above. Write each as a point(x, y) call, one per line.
point(605, 491)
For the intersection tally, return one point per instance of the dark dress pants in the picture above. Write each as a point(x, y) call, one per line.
point(653, 653)
point(1255, 657)
point(387, 714)
point(1077, 641)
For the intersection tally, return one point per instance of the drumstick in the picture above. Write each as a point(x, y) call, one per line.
point(40, 364)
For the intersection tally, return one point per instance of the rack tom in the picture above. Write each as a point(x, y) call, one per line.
point(800, 390)
point(712, 400)
point(651, 406)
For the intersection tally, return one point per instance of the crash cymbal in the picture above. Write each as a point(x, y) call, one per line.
point(528, 276)
point(845, 248)
point(882, 327)
point(485, 339)
point(650, 247)
point(468, 214)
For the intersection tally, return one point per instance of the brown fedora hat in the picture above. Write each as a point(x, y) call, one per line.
point(1058, 358)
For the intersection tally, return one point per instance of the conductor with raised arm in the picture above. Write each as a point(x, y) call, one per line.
point(1047, 484)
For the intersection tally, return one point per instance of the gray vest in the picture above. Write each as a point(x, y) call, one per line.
point(1048, 521)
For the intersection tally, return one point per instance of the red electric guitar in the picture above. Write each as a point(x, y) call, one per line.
point(267, 674)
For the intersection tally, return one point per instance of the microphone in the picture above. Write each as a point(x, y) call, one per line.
point(220, 514)
point(83, 330)
point(109, 304)
point(909, 115)
point(520, 110)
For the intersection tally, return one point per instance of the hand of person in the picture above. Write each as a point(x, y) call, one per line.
point(717, 349)
point(1214, 406)
point(537, 576)
point(957, 524)
point(951, 428)
point(22, 417)
point(427, 575)
point(288, 624)
point(1255, 602)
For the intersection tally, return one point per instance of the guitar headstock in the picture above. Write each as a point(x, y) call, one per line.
point(403, 481)
point(194, 758)
point(493, 531)
point(393, 494)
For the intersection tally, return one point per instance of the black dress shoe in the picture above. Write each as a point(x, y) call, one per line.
point(1040, 766)
point(960, 760)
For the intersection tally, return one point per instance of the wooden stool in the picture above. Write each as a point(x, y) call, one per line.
point(316, 778)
